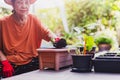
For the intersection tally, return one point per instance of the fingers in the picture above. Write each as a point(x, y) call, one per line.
point(57, 39)
point(8, 73)
point(61, 43)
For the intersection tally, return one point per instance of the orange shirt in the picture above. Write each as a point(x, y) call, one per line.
point(19, 43)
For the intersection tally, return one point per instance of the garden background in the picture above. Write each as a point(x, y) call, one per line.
point(73, 18)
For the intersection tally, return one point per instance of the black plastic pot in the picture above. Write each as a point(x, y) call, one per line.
point(109, 62)
point(82, 63)
point(91, 52)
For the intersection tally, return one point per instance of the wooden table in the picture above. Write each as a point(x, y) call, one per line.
point(54, 58)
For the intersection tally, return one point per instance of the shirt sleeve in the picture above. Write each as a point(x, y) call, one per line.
point(43, 31)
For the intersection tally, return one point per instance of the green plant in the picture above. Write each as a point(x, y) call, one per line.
point(103, 40)
point(85, 12)
point(89, 41)
point(85, 46)
point(71, 37)
point(106, 36)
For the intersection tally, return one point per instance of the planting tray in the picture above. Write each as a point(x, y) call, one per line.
point(54, 58)
point(109, 62)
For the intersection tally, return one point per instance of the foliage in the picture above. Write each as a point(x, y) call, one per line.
point(106, 36)
point(4, 11)
point(85, 12)
point(71, 38)
point(51, 18)
point(86, 45)
point(103, 40)
point(89, 41)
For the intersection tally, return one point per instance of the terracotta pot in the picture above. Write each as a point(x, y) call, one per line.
point(104, 47)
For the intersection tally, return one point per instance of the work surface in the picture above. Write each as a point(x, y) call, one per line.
point(64, 74)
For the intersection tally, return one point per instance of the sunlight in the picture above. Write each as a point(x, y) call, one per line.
point(47, 3)
point(38, 3)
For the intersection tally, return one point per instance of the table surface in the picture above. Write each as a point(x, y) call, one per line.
point(54, 49)
point(64, 74)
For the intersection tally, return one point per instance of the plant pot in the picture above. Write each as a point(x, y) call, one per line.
point(54, 58)
point(104, 47)
point(108, 62)
point(82, 63)
point(92, 52)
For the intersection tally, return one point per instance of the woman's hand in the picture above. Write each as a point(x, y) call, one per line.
point(7, 68)
point(59, 43)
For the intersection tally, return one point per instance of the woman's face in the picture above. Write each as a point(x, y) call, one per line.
point(21, 7)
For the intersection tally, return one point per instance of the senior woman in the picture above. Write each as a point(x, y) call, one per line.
point(21, 34)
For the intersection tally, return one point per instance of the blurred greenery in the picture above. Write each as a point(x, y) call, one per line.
point(91, 16)
point(83, 16)
point(51, 18)
point(4, 11)
point(71, 38)
point(82, 13)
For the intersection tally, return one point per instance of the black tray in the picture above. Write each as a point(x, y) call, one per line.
point(107, 63)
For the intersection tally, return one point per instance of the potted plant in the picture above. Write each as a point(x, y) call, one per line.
point(82, 60)
point(105, 40)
